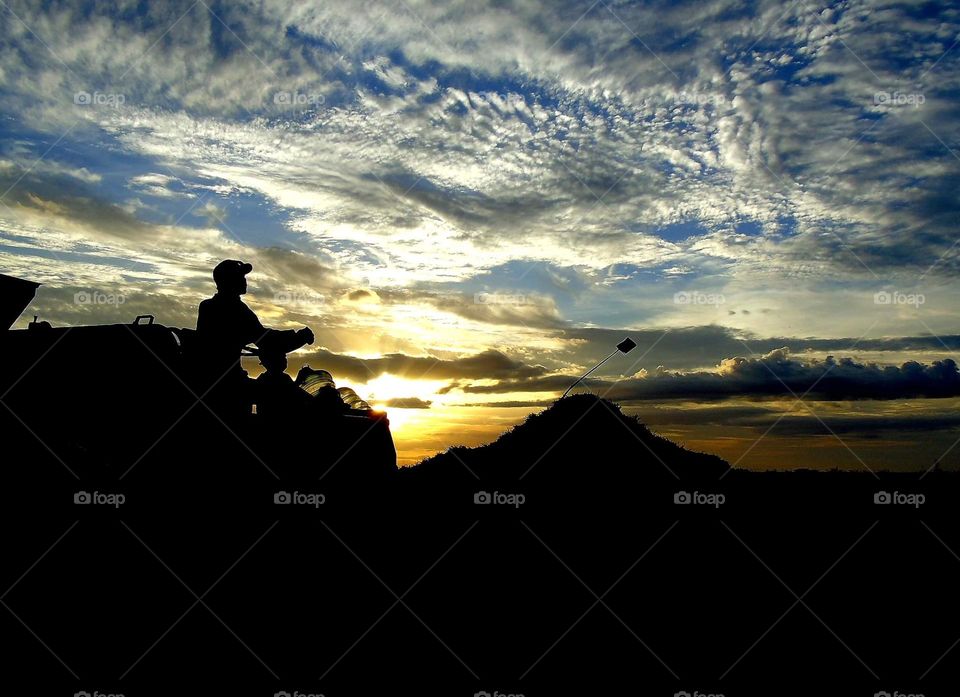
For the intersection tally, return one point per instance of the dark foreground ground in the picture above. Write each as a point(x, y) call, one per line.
point(561, 559)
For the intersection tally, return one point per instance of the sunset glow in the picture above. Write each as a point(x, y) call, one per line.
point(469, 221)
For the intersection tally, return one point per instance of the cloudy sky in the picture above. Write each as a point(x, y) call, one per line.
point(472, 202)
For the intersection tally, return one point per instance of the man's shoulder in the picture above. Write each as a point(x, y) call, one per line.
point(213, 300)
point(220, 302)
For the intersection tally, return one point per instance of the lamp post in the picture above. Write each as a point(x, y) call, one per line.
point(625, 346)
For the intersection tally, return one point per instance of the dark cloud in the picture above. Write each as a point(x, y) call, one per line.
point(513, 404)
point(799, 423)
point(705, 416)
point(697, 347)
point(547, 383)
point(408, 403)
point(489, 364)
point(360, 294)
point(774, 375)
point(60, 196)
point(861, 426)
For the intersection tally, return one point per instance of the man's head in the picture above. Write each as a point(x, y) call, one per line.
point(230, 276)
point(273, 360)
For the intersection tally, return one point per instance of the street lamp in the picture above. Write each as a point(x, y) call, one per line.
point(625, 346)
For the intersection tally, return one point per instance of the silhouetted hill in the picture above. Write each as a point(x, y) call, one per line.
point(585, 449)
point(581, 440)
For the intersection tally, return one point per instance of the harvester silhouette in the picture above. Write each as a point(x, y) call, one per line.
point(101, 399)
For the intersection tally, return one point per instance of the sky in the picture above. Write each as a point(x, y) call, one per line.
point(472, 203)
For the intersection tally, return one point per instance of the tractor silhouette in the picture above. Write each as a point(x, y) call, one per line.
point(103, 399)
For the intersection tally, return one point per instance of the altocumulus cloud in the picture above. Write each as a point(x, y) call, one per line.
point(410, 124)
point(791, 158)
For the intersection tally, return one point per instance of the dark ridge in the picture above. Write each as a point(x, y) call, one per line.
point(578, 437)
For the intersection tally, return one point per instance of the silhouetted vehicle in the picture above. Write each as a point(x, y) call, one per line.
point(103, 397)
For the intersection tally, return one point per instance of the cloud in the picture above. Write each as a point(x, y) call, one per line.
point(362, 294)
point(859, 426)
point(498, 146)
point(531, 311)
point(380, 166)
point(47, 167)
point(683, 348)
point(489, 364)
point(774, 375)
point(512, 404)
point(407, 403)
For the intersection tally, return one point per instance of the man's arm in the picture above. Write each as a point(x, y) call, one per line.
point(286, 340)
point(253, 331)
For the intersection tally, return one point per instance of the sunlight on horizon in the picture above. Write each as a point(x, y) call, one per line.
point(467, 231)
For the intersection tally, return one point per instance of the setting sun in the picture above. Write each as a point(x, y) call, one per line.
point(392, 389)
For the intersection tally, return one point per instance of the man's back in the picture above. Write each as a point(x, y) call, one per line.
point(226, 321)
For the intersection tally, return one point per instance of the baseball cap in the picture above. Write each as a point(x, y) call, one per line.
point(229, 269)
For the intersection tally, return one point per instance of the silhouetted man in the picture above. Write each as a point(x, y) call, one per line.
point(225, 325)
